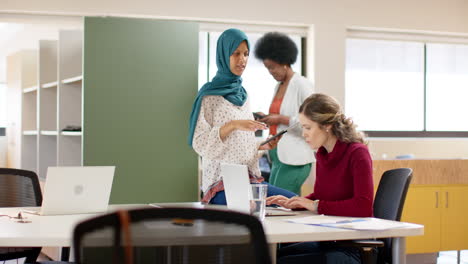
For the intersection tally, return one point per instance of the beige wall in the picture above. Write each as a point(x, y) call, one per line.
point(329, 18)
point(3, 154)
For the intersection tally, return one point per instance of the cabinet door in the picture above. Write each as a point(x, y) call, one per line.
point(454, 213)
point(422, 206)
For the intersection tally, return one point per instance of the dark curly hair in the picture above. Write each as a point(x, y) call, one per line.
point(277, 47)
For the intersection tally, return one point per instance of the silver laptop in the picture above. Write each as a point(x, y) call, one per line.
point(237, 189)
point(76, 190)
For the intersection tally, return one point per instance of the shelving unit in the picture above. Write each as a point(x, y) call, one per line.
point(71, 133)
point(47, 85)
point(50, 88)
point(70, 97)
point(29, 97)
point(50, 85)
point(30, 89)
point(73, 80)
point(30, 133)
point(49, 133)
point(47, 143)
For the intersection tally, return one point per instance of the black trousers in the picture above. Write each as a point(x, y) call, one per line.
point(317, 252)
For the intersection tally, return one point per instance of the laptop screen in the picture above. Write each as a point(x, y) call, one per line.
point(236, 186)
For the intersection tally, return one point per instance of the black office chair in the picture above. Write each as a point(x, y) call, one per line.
point(171, 235)
point(19, 188)
point(388, 204)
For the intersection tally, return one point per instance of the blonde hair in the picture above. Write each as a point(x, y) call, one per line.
point(325, 110)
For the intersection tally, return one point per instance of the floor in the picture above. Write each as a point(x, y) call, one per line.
point(21, 261)
point(450, 257)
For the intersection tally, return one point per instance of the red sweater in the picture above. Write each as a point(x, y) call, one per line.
point(344, 183)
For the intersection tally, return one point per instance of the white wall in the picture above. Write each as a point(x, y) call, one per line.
point(330, 19)
point(3, 148)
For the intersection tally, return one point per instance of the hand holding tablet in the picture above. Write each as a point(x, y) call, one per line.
point(273, 137)
point(279, 134)
point(258, 116)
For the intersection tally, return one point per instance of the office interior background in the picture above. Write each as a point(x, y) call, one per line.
point(329, 26)
point(412, 98)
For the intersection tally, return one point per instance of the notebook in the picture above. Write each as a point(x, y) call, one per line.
point(237, 189)
point(76, 190)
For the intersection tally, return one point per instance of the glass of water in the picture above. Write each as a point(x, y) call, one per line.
point(258, 200)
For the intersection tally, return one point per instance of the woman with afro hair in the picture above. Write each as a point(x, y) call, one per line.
point(291, 160)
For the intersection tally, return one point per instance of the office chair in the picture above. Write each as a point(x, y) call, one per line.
point(171, 235)
point(388, 204)
point(19, 188)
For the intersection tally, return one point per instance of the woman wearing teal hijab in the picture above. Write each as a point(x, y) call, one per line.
point(221, 128)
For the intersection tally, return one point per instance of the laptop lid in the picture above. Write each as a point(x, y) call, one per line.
point(77, 190)
point(238, 192)
point(236, 186)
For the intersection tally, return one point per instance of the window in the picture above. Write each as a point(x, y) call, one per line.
point(256, 79)
point(447, 87)
point(407, 88)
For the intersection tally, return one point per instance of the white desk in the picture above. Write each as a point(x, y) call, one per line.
point(56, 231)
point(43, 231)
point(279, 231)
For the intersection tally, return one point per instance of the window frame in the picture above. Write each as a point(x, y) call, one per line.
point(425, 38)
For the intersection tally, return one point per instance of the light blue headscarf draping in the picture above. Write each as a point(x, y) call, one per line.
point(225, 83)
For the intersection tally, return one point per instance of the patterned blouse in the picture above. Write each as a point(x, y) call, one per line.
point(239, 147)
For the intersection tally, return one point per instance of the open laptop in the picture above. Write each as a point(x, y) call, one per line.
point(76, 190)
point(238, 192)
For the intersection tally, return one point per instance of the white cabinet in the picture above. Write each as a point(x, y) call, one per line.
point(50, 85)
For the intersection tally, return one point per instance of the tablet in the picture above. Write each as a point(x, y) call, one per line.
point(273, 137)
point(258, 116)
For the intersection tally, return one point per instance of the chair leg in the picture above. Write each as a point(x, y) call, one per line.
point(34, 254)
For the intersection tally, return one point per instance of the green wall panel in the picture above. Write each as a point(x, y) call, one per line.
point(140, 79)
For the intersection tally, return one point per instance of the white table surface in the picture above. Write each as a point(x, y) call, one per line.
point(43, 231)
point(279, 231)
point(56, 231)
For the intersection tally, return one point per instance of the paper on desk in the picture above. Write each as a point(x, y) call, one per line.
point(317, 219)
point(368, 223)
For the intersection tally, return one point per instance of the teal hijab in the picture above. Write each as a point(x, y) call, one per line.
point(225, 83)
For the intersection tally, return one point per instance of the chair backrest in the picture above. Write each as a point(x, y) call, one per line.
point(390, 200)
point(19, 188)
point(171, 235)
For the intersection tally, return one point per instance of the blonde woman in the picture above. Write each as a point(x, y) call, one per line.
point(344, 183)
